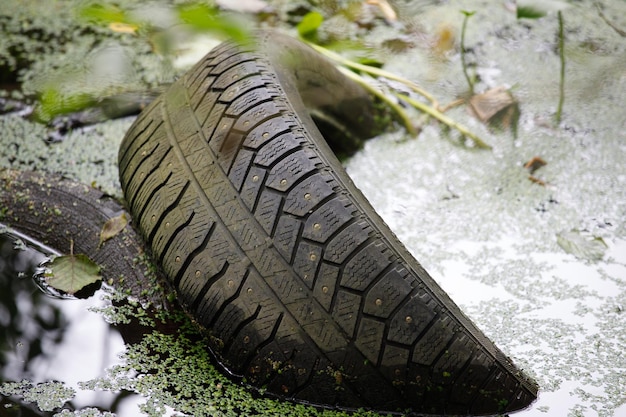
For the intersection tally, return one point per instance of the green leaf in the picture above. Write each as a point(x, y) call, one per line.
point(53, 103)
point(103, 14)
point(309, 24)
point(71, 273)
point(529, 12)
point(582, 246)
point(203, 18)
point(113, 227)
point(534, 9)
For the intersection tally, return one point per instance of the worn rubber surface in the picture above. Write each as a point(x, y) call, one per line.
point(303, 288)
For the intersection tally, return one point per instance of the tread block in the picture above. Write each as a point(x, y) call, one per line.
point(258, 113)
point(365, 266)
point(370, 338)
point(290, 170)
point(199, 87)
point(277, 148)
point(384, 297)
point(326, 335)
point(346, 310)
point(394, 363)
point(324, 287)
point(252, 186)
point(198, 281)
point(303, 198)
point(204, 108)
point(237, 71)
point(347, 241)
point(286, 235)
point(236, 90)
point(240, 168)
point(429, 346)
point(410, 320)
point(268, 130)
point(327, 219)
point(267, 210)
point(214, 127)
point(306, 262)
point(249, 102)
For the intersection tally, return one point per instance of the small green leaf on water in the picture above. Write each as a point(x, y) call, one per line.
point(582, 246)
point(535, 9)
point(113, 227)
point(72, 273)
point(529, 12)
point(309, 24)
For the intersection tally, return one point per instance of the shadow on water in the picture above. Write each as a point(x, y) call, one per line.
point(45, 339)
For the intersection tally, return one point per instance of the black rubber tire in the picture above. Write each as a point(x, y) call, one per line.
point(303, 288)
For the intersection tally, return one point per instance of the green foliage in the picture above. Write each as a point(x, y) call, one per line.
point(70, 274)
point(307, 28)
point(103, 13)
point(529, 12)
point(203, 18)
point(47, 395)
point(54, 103)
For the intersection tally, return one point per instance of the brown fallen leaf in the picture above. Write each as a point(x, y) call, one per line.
point(534, 164)
point(496, 107)
point(385, 9)
point(113, 227)
point(120, 27)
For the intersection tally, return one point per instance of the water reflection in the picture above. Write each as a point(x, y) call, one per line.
point(44, 339)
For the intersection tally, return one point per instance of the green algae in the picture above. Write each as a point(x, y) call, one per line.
point(47, 395)
point(177, 370)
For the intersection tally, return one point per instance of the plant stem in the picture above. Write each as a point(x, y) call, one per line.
point(559, 108)
point(431, 110)
point(444, 119)
point(463, 63)
point(406, 120)
point(374, 71)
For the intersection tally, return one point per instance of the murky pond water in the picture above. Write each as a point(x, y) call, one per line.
point(47, 339)
point(505, 246)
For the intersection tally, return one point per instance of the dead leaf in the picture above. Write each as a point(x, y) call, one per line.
point(120, 27)
point(534, 164)
point(496, 107)
point(113, 227)
point(582, 245)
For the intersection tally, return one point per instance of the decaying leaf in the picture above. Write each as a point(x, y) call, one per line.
point(120, 27)
point(71, 273)
point(496, 107)
point(534, 164)
point(113, 227)
point(385, 9)
point(582, 245)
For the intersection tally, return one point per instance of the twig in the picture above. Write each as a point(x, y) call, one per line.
point(559, 108)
